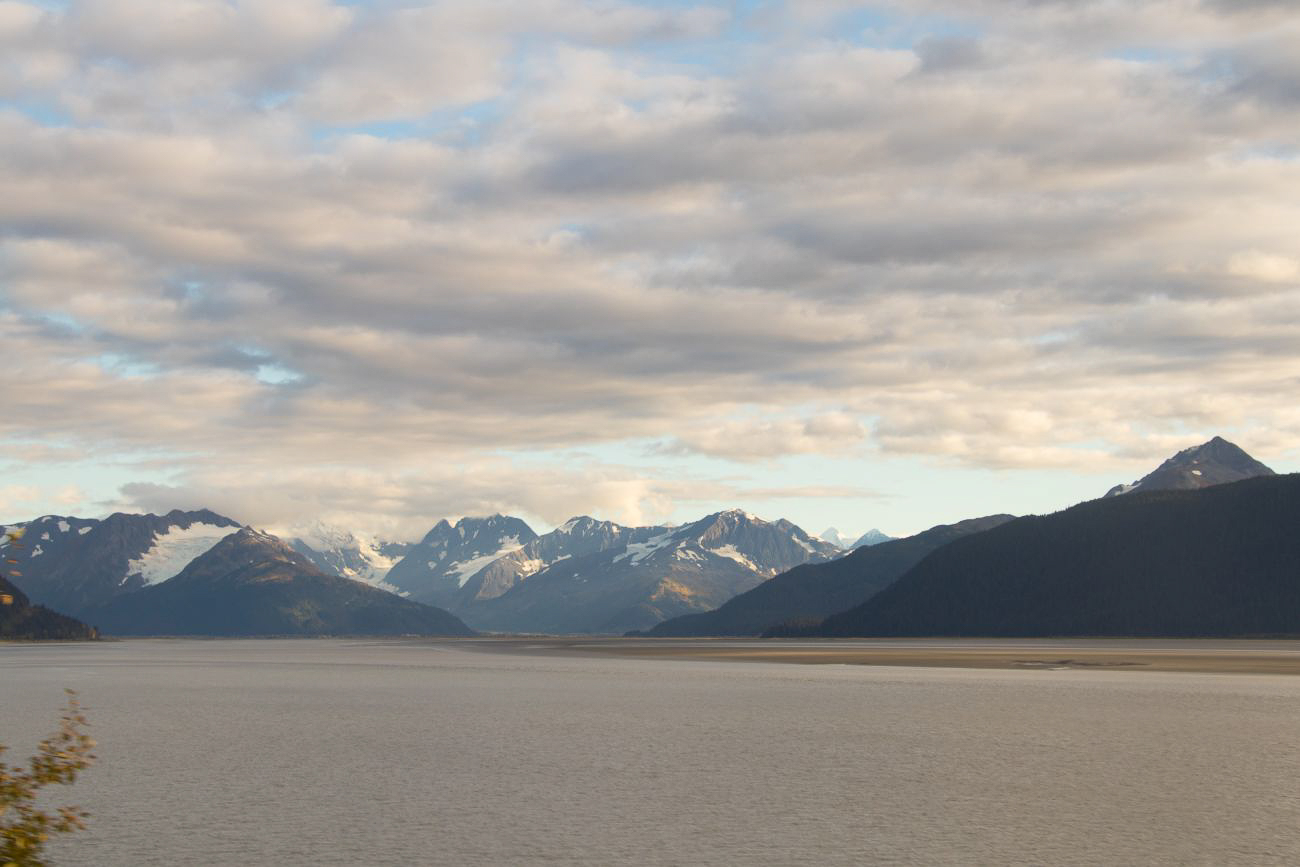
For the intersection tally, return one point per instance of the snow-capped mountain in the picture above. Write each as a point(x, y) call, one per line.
point(576, 537)
point(436, 568)
point(871, 537)
point(70, 564)
point(46, 540)
point(252, 583)
point(832, 535)
point(1212, 463)
point(656, 574)
point(338, 551)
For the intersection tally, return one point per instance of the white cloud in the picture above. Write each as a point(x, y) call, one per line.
point(1267, 267)
point(1063, 235)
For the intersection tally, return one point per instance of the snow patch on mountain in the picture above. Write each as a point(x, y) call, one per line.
point(464, 570)
point(173, 550)
point(364, 558)
point(731, 552)
point(638, 551)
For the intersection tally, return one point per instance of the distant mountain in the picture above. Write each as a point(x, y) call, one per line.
point(636, 584)
point(436, 568)
point(250, 583)
point(872, 537)
point(814, 591)
point(832, 535)
point(22, 621)
point(1212, 463)
point(342, 552)
point(576, 537)
point(1217, 561)
point(74, 564)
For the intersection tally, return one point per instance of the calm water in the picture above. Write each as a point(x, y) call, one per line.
point(336, 752)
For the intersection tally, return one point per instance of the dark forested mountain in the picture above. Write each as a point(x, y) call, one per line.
point(436, 568)
point(21, 620)
point(1218, 561)
point(816, 590)
point(636, 584)
point(73, 564)
point(1212, 463)
point(250, 583)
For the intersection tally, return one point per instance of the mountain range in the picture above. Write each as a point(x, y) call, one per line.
point(871, 537)
point(251, 583)
point(807, 594)
point(125, 572)
point(645, 575)
point(729, 573)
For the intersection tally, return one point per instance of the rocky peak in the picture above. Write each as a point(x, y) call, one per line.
point(1215, 462)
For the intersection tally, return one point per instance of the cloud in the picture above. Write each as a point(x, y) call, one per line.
point(271, 245)
point(1264, 266)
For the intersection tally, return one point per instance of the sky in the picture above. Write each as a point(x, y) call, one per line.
point(864, 265)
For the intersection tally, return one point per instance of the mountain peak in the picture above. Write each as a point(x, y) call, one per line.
point(832, 535)
point(1214, 462)
point(250, 545)
point(872, 537)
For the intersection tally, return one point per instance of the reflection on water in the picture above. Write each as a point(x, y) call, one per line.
point(337, 752)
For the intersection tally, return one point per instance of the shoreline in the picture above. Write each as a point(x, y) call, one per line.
point(1202, 656)
point(1188, 655)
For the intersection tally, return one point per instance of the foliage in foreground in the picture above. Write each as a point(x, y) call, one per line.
point(25, 828)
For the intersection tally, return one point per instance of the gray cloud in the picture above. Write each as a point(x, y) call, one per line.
point(1067, 233)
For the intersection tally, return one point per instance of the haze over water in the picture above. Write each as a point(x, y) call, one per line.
point(338, 752)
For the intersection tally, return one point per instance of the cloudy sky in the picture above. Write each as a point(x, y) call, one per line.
point(883, 264)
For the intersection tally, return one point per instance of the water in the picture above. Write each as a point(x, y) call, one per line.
point(336, 752)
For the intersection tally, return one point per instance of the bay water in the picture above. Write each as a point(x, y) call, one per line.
point(287, 752)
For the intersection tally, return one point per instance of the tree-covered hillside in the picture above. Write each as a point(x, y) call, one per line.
point(1222, 561)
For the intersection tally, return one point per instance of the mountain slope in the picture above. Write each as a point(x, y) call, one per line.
point(817, 590)
point(22, 621)
point(636, 584)
point(1212, 463)
point(436, 568)
point(73, 564)
point(250, 583)
point(1218, 561)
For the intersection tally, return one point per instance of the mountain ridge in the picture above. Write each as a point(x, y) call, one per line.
point(1213, 561)
point(252, 583)
point(635, 584)
point(817, 590)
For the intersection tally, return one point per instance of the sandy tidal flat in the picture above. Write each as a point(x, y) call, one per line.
point(1136, 655)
